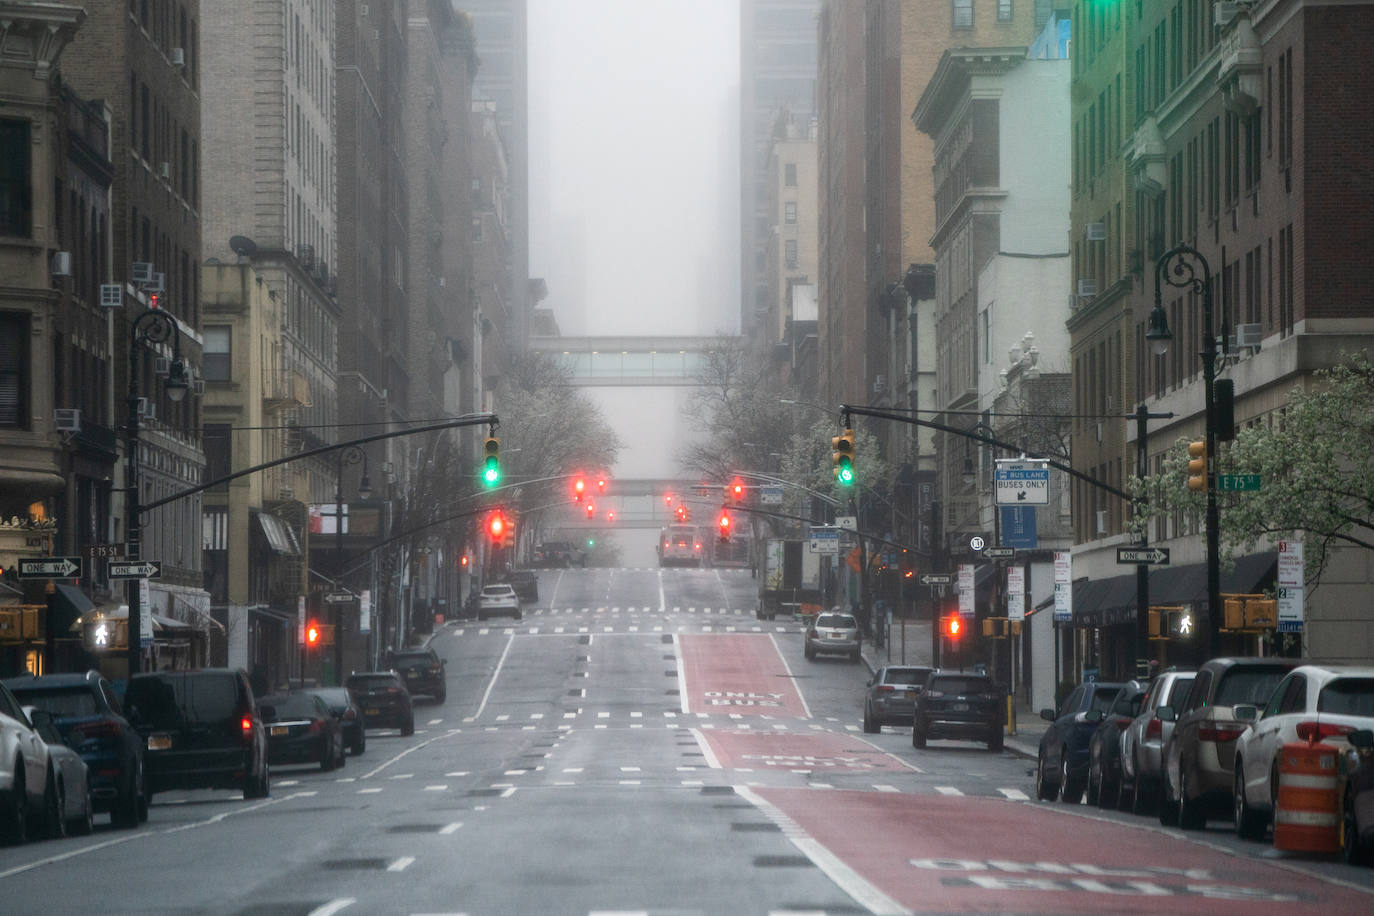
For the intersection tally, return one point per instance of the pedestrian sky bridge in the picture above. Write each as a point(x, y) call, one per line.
point(631, 361)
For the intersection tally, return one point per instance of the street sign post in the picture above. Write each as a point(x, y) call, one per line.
point(338, 598)
point(770, 496)
point(50, 568)
point(847, 522)
point(145, 569)
point(1022, 483)
point(1237, 482)
point(825, 541)
point(1148, 556)
point(999, 553)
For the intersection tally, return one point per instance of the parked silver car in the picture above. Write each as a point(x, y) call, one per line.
point(1142, 742)
point(891, 695)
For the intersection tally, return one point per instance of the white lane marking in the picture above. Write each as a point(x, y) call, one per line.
point(948, 790)
point(686, 701)
point(662, 602)
point(435, 722)
point(414, 747)
point(494, 675)
point(368, 791)
point(711, 760)
point(401, 864)
point(450, 828)
point(573, 770)
point(436, 788)
point(630, 770)
point(458, 773)
point(333, 906)
point(850, 881)
point(883, 787)
point(403, 776)
point(288, 782)
point(508, 792)
point(806, 710)
point(1015, 794)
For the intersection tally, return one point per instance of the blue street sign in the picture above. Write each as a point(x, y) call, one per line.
point(1018, 527)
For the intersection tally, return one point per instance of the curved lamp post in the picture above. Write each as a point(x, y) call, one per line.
point(1185, 268)
point(153, 326)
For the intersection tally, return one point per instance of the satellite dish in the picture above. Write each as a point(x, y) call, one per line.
point(243, 246)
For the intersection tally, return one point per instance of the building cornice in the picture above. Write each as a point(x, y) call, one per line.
point(33, 34)
point(949, 84)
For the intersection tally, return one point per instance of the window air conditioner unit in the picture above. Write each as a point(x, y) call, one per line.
point(62, 264)
point(1087, 286)
point(1223, 13)
point(1101, 521)
point(1249, 335)
point(142, 272)
point(165, 170)
point(178, 57)
point(67, 419)
point(111, 295)
point(162, 366)
point(1096, 232)
point(158, 283)
point(146, 411)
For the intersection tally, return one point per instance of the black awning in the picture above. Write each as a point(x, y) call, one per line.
point(68, 603)
point(1188, 584)
point(983, 575)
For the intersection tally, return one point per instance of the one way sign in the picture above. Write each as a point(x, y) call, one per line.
point(50, 568)
point(147, 569)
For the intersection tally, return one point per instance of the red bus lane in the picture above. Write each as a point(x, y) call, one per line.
point(976, 855)
point(737, 673)
point(821, 752)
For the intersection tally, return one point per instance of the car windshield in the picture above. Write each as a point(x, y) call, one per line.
point(840, 621)
point(1103, 697)
point(290, 706)
point(1252, 685)
point(1348, 696)
point(63, 703)
point(412, 658)
point(961, 685)
point(905, 675)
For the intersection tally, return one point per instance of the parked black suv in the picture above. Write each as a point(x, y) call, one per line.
point(384, 700)
point(89, 717)
point(201, 731)
point(954, 704)
point(423, 672)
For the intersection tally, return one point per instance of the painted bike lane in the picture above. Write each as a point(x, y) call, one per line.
point(741, 673)
point(924, 854)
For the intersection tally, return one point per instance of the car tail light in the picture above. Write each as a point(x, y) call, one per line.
point(1316, 731)
point(393, 690)
point(1228, 731)
point(246, 725)
point(886, 688)
point(93, 730)
point(1154, 729)
point(315, 725)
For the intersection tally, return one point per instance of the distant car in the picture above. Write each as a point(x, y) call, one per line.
point(962, 705)
point(833, 633)
point(1199, 759)
point(423, 672)
point(90, 717)
point(1061, 766)
point(1104, 748)
point(27, 787)
point(341, 704)
point(498, 600)
point(74, 805)
point(301, 729)
point(891, 696)
point(1356, 780)
point(1321, 702)
point(384, 700)
point(202, 731)
point(1142, 743)
point(525, 582)
point(558, 553)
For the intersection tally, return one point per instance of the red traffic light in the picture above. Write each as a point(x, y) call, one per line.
point(737, 491)
point(579, 487)
point(591, 510)
point(463, 560)
point(610, 516)
point(601, 484)
point(496, 526)
point(668, 500)
point(724, 521)
point(951, 626)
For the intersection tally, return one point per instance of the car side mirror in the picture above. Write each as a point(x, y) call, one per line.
point(1166, 714)
point(1245, 712)
point(1362, 738)
point(1094, 715)
point(1047, 715)
point(38, 717)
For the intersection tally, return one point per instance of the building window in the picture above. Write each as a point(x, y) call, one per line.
point(789, 174)
point(963, 14)
point(790, 252)
point(477, 192)
point(14, 370)
point(16, 178)
point(218, 355)
point(1004, 10)
point(219, 453)
point(477, 228)
point(789, 212)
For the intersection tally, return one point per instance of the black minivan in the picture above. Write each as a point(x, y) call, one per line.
point(201, 731)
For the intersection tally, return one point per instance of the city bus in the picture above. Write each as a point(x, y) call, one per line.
point(680, 545)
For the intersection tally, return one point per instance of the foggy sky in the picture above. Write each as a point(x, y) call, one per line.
point(634, 175)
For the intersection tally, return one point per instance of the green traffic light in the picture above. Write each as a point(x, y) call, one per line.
point(846, 475)
point(492, 474)
point(591, 543)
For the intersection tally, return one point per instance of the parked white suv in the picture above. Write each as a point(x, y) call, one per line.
point(498, 601)
point(26, 784)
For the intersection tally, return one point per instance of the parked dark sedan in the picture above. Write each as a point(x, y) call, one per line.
point(955, 704)
point(891, 696)
point(1061, 767)
point(88, 715)
point(340, 703)
point(301, 729)
point(1104, 750)
point(384, 700)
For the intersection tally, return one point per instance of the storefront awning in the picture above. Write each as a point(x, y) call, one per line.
point(69, 603)
point(279, 535)
point(1108, 602)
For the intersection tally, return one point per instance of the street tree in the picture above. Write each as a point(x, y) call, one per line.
point(1316, 469)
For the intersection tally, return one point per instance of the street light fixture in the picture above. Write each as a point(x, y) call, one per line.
point(1180, 267)
point(153, 326)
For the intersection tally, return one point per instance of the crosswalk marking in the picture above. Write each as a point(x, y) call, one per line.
point(1015, 794)
point(948, 790)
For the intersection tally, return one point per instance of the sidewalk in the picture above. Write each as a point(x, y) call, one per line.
point(1024, 742)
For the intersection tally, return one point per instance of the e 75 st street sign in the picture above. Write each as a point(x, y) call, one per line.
point(146, 569)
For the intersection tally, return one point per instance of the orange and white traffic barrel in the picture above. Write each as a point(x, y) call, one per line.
point(1307, 815)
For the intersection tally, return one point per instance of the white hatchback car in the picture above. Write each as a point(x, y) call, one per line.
point(1311, 703)
point(498, 601)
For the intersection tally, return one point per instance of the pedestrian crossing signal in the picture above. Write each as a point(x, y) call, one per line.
point(951, 626)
